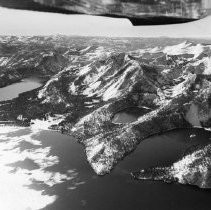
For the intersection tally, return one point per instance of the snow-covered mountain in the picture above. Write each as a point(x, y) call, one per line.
point(89, 81)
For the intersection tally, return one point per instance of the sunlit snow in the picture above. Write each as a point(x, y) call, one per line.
point(20, 145)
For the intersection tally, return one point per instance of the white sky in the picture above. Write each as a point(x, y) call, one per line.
point(19, 22)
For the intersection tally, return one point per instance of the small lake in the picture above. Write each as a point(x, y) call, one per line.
point(48, 170)
point(12, 91)
point(129, 115)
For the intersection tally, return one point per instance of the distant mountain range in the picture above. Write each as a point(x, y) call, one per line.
point(90, 79)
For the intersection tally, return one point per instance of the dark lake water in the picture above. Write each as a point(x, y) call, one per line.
point(129, 115)
point(12, 91)
point(56, 165)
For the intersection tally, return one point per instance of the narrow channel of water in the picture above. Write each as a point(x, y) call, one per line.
point(12, 91)
point(164, 149)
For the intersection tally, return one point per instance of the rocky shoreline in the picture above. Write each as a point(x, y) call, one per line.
point(192, 169)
